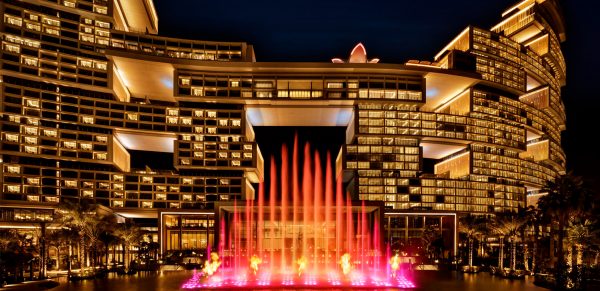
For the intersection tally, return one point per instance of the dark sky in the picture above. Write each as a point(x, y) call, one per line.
point(395, 31)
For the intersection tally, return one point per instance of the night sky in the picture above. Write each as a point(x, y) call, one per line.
point(395, 31)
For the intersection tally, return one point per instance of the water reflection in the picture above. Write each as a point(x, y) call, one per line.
point(425, 280)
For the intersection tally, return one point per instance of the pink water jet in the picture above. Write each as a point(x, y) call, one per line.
point(321, 226)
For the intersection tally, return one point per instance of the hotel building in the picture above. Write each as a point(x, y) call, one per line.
point(85, 82)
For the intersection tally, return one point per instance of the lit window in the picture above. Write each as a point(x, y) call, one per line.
point(235, 84)
point(87, 194)
point(102, 24)
point(186, 121)
point(87, 29)
point(117, 203)
point(11, 137)
point(118, 178)
point(186, 181)
point(32, 103)
point(11, 47)
point(185, 81)
point(86, 37)
point(117, 43)
point(100, 9)
point(222, 122)
point(184, 161)
point(101, 138)
point(132, 116)
point(29, 61)
point(146, 204)
point(53, 31)
point(100, 65)
point(34, 17)
point(31, 149)
point(33, 26)
point(70, 183)
point(211, 114)
point(198, 113)
point(13, 188)
point(13, 169)
point(69, 144)
point(235, 163)
point(51, 199)
point(197, 92)
point(13, 20)
point(86, 146)
point(263, 84)
point(100, 156)
point(33, 181)
point(85, 63)
point(146, 179)
point(102, 32)
point(161, 196)
point(31, 140)
point(174, 205)
point(31, 129)
point(69, 3)
point(172, 120)
point(87, 119)
point(335, 85)
point(172, 112)
point(187, 197)
point(50, 21)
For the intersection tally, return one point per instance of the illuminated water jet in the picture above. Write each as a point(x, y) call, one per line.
point(304, 232)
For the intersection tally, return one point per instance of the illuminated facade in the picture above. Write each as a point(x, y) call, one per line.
point(476, 130)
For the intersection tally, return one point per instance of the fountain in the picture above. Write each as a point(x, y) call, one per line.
point(317, 237)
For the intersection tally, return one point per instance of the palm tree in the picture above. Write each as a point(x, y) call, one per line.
point(566, 197)
point(508, 226)
point(580, 234)
point(59, 239)
point(89, 224)
point(75, 216)
point(535, 219)
point(471, 226)
point(130, 235)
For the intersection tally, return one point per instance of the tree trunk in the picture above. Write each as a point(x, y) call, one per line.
point(501, 254)
point(126, 258)
point(58, 257)
point(69, 267)
point(570, 258)
point(579, 249)
point(526, 255)
point(81, 255)
point(513, 254)
point(534, 255)
point(561, 236)
point(42, 273)
point(470, 253)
